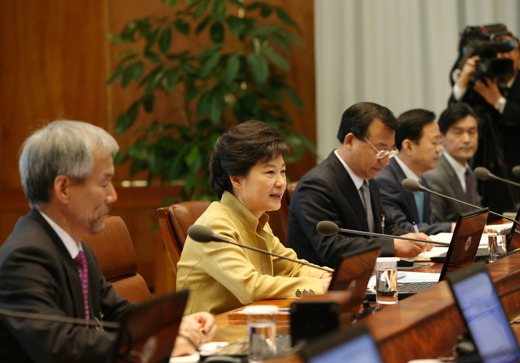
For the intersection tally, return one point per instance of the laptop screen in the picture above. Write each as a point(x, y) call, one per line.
point(354, 344)
point(513, 237)
point(465, 241)
point(485, 317)
point(148, 330)
point(357, 267)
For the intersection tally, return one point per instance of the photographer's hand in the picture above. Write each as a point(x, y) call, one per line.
point(488, 90)
point(467, 73)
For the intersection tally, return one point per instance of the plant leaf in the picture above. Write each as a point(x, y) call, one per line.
point(259, 67)
point(276, 58)
point(169, 80)
point(203, 23)
point(217, 103)
point(152, 57)
point(172, 3)
point(209, 51)
point(279, 41)
point(154, 82)
point(117, 73)
point(201, 9)
point(216, 32)
point(265, 10)
point(287, 19)
point(138, 70)
point(210, 64)
point(123, 124)
point(219, 10)
point(165, 40)
point(204, 105)
point(128, 74)
point(151, 39)
point(182, 26)
point(119, 39)
point(235, 25)
point(148, 102)
point(232, 67)
point(293, 96)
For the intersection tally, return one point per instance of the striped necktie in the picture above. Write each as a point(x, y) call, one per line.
point(81, 264)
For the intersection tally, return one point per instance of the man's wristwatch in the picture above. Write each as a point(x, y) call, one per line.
point(499, 104)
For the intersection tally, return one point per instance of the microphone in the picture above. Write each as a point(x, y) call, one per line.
point(413, 186)
point(516, 171)
point(328, 228)
point(203, 234)
point(59, 319)
point(484, 174)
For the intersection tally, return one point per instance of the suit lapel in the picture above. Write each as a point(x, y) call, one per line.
point(451, 175)
point(348, 189)
point(68, 264)
point(408, 196)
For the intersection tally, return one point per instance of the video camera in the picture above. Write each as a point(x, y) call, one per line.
point(482, 41)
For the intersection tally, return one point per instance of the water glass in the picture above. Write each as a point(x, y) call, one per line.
point(261, 324)
point(497, 244)
point(386, 280)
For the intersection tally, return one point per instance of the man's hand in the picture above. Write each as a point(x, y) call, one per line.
point(468, 72)
point(325, 280)
point(195, 329)
point(488, 90)
point(404, 248)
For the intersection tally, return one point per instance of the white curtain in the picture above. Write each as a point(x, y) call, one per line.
point(397, 53)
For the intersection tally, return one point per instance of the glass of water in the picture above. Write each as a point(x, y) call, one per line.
point(497, 244)
point(261, 324)
point(386, 280)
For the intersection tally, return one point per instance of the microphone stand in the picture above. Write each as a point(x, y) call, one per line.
point(353, 231)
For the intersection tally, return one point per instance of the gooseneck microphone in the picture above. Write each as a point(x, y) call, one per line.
point(482, 173)
point(59, 319)
point(328, 228)
point(203, 234)
point(413, 186)
point(516, 171)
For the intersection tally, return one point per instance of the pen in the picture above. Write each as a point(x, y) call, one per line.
point(415, 229)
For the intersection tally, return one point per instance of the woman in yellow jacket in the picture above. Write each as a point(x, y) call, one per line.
point(247, 172)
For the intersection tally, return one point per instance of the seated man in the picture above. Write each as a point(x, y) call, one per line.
point(340, 190)
point(453, 176)
point(419, 142)
point(66, 170)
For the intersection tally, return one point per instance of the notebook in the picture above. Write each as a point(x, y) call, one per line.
point(461, 252)
point(353, 271)
point(483, 314)
point(148, 330)
point(355, 342)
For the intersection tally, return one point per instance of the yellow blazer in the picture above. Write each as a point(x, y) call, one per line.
point(222, 276)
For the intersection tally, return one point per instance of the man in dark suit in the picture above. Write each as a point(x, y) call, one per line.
point(66, 170)
point(453, 176)
point(497, 102)
point(418, 140)
point(340, 189)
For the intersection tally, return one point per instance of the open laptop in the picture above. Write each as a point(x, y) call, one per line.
point(354, 344)
point(148, 330)
point(461, 252)
point(484, 315)
point(355, 268)
point(513, 237)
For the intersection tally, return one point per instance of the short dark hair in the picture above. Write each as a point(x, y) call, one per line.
point(454, 113)
point(239, 149)
point(359, 116)
point(411, 124)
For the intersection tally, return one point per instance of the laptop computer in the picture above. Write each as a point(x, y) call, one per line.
point(148, 330)
point(484, 315)
point(461, 252)
point(513, 237)
point(353, 271)
point(354, 344)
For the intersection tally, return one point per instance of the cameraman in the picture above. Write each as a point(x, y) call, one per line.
point(498, 103)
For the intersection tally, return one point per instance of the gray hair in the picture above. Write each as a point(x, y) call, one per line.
point(60, 148)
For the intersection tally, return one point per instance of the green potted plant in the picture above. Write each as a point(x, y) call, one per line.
point(240, 75)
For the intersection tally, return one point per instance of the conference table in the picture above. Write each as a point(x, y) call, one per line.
point(425, 325)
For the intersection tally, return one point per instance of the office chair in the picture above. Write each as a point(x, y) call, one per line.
point(115, 253)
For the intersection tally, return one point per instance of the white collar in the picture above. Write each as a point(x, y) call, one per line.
point(406, 170)
point(459, 169)
point(67, 240)
point(358, 182)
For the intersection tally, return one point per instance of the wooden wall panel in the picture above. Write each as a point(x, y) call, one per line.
point(54, 61)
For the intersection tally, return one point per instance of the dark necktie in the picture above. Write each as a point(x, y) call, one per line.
point(419, 202)
point(81, 264)
point(365, 192)
point(469, 187)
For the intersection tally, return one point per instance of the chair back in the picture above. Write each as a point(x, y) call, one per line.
point(290, 190)
point(117, 260)
point(175, 221)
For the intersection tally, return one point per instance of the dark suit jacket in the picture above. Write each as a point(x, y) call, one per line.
point(38, 275)
point(400, 204)
point(328, 193)
point(443, 180)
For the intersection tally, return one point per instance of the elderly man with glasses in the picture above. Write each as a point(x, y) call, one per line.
point(340, 189)
point(419, 142)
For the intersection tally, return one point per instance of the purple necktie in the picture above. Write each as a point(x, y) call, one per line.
point(81, 264)
point(469, 187)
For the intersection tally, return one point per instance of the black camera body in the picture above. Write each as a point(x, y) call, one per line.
point(482, 41)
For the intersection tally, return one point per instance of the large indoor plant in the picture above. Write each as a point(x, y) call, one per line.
point(239, 74)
